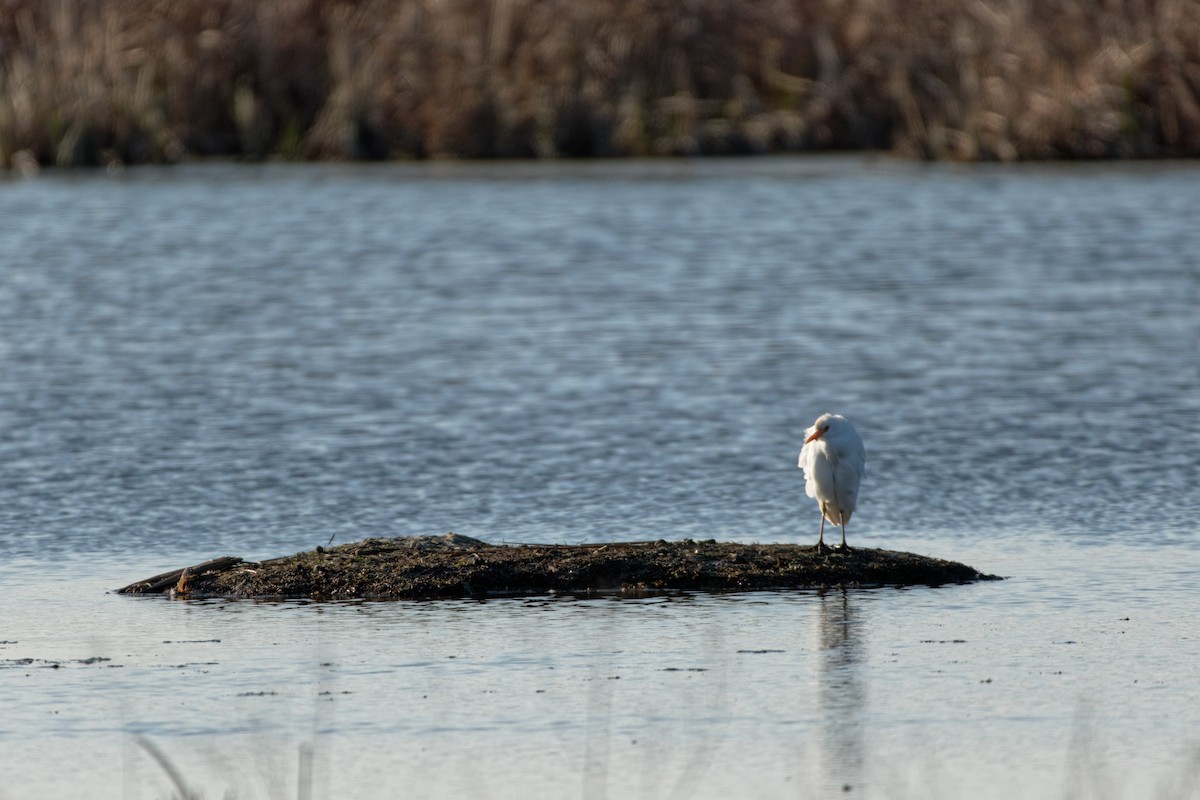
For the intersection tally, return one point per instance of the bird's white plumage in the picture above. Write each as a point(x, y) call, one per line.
point(834, 461)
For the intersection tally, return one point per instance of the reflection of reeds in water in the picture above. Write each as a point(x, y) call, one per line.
point(90, 81)
point(279, 785)
point(183, 792)
point(1094, 774)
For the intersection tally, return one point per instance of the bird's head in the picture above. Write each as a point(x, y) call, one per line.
point(823, 425)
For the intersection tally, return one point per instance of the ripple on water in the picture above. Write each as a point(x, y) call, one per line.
point(249, 360)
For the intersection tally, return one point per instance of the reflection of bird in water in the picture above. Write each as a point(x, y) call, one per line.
point(834, 461)
point(842, 693)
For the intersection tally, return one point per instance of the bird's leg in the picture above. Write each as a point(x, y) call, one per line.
point(821, 548)
point(841, 517)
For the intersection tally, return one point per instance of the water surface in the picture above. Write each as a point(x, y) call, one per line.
point(250, 360)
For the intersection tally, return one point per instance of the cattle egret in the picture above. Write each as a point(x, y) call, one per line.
point(834, 461)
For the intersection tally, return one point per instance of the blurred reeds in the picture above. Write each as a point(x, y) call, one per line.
point(125, 81)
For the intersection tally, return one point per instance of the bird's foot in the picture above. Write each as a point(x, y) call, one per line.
point(843, 548)
point(823, 549)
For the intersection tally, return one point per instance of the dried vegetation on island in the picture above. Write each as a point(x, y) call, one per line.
point(106, 81)
point(424, 567)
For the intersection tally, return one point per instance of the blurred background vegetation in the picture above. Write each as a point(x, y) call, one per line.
point(86, 82)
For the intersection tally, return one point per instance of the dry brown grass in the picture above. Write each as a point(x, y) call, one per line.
point(96, 81)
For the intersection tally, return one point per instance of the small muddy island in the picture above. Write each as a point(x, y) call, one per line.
point(417, 567)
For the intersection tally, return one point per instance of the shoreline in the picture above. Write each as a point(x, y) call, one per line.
point(105, 84)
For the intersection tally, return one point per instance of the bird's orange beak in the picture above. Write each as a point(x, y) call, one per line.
point(816, 435)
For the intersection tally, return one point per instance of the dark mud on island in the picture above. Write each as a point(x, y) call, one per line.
point(458, 566)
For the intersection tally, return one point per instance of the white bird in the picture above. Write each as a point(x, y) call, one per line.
point(834, 462)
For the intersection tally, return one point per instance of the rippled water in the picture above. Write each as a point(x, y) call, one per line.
point(249, 360)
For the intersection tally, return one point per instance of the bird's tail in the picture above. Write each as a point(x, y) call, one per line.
point(836, 515)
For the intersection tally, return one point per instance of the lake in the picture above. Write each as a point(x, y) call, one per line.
point(255, 360)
